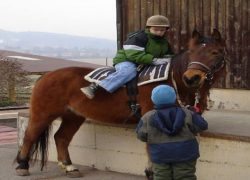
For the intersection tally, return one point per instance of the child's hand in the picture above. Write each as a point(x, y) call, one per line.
point(193, 109)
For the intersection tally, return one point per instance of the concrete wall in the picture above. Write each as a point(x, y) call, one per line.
point(230, 99)
point(223, 159)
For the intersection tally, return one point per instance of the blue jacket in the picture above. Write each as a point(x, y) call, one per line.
point(170, 133)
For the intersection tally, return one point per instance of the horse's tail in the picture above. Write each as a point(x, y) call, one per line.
point(40, 147)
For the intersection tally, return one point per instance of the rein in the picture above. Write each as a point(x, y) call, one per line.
point(176, 90)
point(197, 95)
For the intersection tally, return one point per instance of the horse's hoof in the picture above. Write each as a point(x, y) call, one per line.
point(74, 174)
point(22, 172)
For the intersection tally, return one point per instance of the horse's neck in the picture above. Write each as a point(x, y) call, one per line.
point(179, 66)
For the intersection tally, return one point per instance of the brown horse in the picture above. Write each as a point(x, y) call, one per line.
point(57, 94)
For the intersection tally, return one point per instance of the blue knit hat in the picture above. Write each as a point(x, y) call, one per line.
point(163, 94)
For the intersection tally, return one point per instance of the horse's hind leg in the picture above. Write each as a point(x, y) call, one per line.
point(69, 126)
point(36, 132)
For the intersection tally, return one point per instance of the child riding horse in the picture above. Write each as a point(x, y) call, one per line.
point(145, 47)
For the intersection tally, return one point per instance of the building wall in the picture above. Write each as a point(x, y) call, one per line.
point(230, 17)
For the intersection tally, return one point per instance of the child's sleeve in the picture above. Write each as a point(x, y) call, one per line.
point(199, 123)
point(134, 49)
point(142, 128)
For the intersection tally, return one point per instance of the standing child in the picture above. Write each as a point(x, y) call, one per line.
point(170, 132)
point(148, 46)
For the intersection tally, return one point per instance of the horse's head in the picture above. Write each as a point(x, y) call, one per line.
point(207, 58)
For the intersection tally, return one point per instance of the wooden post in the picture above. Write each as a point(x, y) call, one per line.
point(11, 89)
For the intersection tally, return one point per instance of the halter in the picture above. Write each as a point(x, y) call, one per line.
point(210, 70)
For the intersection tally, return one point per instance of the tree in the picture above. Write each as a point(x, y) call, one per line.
point(12, 78)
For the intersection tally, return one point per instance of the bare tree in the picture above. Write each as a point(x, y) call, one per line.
point(12, 78)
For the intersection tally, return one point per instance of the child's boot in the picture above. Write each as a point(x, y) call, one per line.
point(90, 90)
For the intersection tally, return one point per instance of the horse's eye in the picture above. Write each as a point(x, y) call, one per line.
point(215, 53)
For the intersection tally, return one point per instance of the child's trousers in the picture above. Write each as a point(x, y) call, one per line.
point(175, 171)
point(125, 71)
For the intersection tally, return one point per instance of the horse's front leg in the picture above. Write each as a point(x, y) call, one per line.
point(69, 126)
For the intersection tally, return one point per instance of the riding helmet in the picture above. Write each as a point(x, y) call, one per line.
point(158, 20)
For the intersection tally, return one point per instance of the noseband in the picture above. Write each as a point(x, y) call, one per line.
point(210, 70)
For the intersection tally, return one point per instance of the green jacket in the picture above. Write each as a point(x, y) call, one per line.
point(142, 47)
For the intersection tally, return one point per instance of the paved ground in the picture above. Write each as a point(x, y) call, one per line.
point(8, 135)
point(7, 170)
point(232, 123)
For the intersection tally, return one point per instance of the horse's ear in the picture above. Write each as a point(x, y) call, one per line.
point(196, 37)
point(216, 35)
point(196, 34)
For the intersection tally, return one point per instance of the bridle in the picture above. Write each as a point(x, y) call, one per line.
point(210, 71)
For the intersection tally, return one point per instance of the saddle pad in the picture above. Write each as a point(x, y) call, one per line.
point(147, 74)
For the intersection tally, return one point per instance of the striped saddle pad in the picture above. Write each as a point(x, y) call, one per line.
point(147, 74)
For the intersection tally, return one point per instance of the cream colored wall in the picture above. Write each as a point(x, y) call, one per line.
point(230, 99)
point(223, 160)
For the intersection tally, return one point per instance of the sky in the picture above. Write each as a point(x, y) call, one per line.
point(93, 18)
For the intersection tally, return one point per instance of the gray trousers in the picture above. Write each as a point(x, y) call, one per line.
point(175, 171)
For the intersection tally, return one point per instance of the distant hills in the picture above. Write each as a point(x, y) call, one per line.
point(57, 45)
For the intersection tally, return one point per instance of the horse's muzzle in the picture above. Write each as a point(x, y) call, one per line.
point(193, 79)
